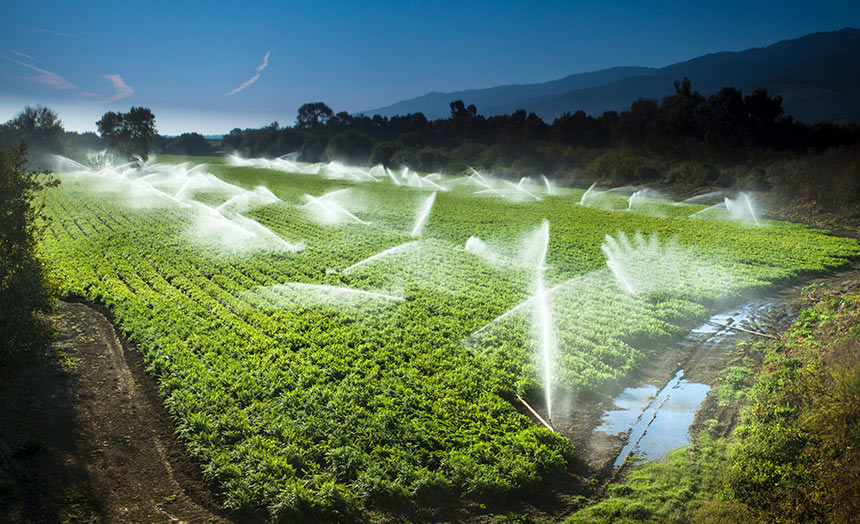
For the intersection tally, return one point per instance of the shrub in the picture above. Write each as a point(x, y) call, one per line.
point(24, 289)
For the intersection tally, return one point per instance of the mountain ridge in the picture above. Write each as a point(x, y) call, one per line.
point(818, 76)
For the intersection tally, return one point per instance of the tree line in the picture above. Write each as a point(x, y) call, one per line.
point(126, 135)
point(725, 127)
point(725, 139)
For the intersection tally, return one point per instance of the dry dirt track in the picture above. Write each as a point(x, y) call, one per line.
point(84, 436)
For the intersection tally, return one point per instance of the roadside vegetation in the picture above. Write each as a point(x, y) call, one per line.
point(25, 290)
point(794, 457)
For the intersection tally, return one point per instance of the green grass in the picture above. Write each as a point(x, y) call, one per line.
point(676, 489)
point(314, 410)
point(796, 455)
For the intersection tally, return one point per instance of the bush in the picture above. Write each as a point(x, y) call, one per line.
point(350, 147)
point(24, 289)
point(383, 152)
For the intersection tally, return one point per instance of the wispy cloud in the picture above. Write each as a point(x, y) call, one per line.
point(121, 90)
point(28, 57)
point(58, 33)
point(265, 61)
point(244, 84)
point(44, 77)
point(253, 78)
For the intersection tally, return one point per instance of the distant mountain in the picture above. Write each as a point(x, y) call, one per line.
point(817, 75)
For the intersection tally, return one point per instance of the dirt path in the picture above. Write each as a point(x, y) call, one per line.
point(85, 438)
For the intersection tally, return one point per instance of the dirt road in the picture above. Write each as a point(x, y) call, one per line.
point(85, 438)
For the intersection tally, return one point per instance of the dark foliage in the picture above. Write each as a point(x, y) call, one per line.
point(24, 288)
point(185, 144)
point(798, 453)
point(725, 129)
point(130, 134)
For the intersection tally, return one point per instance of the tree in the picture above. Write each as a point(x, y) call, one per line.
point(130, 133)
point(763, 112)
point(24, 288)
point(350, 147)
point(112, 130)
point(313, 115)
point(140, 123)
point(723, 121)
point(40, 128)
point(189, 144)
point(459, 110)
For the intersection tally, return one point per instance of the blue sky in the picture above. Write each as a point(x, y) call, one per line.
point(182, 58)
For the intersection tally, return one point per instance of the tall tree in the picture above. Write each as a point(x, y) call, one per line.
point(130, 133)
point(313, 115)
point(40, 128)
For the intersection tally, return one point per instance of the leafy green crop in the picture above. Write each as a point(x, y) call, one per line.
point(323, 408)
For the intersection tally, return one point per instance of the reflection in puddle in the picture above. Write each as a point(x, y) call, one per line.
point(656, 424)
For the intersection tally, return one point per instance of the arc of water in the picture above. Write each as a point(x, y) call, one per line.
point(587, 193)
point(703, 196)
point(633, 198)
point(422, 217)
point(750, 207)
point(269, 233)
point(181, 191)
point(490, 189)
point(546, 341)
point(74, 163)
point(332, 207)
point(479, 175)
point(381, 254)
point(549, 189)
point(434, 184)
point(699, 212)
point(159, 192)
point(522, 190)
point(223, 220)
point(336, 289)
point(543, 315)
point(230, 201)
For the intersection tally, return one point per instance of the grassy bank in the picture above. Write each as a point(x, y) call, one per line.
point(794, 457)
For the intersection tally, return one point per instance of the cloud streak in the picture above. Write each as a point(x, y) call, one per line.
point(44, 77)
point(121, 90)
point(244, 85)
point(28, 57)
point(253, 78)
point(265, 61)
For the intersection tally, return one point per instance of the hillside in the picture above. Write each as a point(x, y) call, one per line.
point(818, 76)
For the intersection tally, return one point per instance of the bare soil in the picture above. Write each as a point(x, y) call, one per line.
point(85, 438)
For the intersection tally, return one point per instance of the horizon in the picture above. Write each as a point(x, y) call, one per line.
point(207, 72)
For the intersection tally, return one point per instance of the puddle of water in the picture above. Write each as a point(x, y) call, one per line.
point(631, 403)
point(670, 428)
point(653, 422)
point(656, 424)
point(745, 316)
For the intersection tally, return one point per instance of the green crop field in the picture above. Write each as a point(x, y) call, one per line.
point(312, 381)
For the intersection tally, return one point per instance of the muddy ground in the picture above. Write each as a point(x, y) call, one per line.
point(702, 358)
point(84, 436)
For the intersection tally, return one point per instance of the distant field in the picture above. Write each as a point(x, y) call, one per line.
point(310, 387)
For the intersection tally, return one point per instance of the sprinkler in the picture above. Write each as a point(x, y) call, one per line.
point(548, 425)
